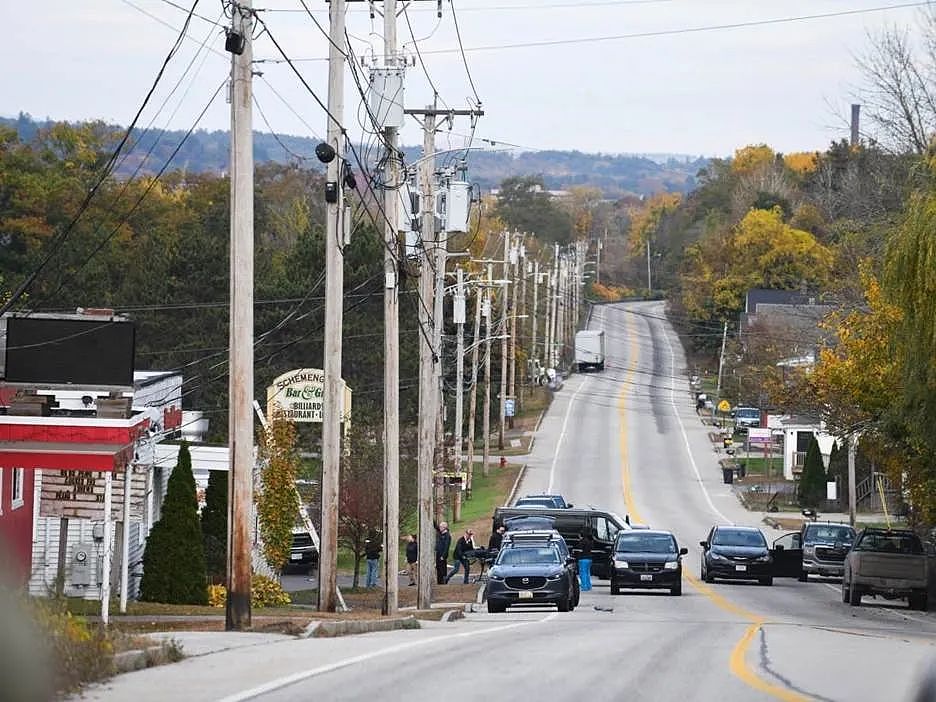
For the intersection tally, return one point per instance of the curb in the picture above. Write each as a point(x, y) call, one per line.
point(129, 661)
point(330, 629)
point(452, 614)
point(513, 490)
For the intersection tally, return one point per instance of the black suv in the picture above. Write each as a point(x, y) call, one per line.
point(530, 574)
point(647, 559)
point(546, 536)
point(736, 553)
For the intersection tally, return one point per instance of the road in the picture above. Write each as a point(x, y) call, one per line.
point(627, 439)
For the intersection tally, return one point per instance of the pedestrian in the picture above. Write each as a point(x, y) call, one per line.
point(442, 546)
point(494, 543)
point(586, 544)
point(372, 549)
point(463, 547)
point(701, 397)
point(412, 558)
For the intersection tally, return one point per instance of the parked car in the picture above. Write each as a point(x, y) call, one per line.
point(557, 501)
point(825, 547)
point(736, 553)
point(888, 562)
point(746, 417)
point(302, 551)
point(530, 574)
point(571, 523)
point(647, 559)
point(546, 536)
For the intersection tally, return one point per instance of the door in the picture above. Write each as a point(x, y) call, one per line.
point(604, 532)
point(787, 552)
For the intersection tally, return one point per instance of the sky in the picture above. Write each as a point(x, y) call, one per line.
point(583, 81)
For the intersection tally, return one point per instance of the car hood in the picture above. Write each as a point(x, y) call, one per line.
point(520, 571)
point(743, 551)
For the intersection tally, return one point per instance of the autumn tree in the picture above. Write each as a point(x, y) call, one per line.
point(277, 501)
point(524, 204)
point(360, 493)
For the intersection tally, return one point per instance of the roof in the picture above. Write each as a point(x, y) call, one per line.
point(651, 532)
point(62, 455)
point(761, 296)
point(737, 527)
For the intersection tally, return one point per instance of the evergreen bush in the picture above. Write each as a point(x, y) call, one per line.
point(214, 524)
point(812, 482)
point(174, 560)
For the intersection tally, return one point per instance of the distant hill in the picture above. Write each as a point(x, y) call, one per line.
point(615, 175)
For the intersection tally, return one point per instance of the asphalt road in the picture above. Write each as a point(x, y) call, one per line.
point(626, 439)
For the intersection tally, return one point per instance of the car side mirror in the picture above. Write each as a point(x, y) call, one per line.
point(683, 551)
point(703, 544)
point(569, 505)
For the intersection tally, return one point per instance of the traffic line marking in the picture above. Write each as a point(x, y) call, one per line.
point(737, 662)
point(562, 433)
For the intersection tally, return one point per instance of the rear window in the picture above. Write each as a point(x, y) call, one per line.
point(636, 542)
point(738, 537)
point(890, 543)
point(535, 502)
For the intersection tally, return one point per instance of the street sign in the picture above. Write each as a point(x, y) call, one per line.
point(724, 406)
point(509, 407)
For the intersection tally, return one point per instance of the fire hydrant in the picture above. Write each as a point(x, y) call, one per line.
point(503, 462)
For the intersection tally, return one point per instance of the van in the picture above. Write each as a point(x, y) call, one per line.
point(570, 523)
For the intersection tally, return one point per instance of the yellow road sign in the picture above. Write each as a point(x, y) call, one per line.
point(724, 406)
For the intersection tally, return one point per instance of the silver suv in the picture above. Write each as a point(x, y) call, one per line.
point(824, 548)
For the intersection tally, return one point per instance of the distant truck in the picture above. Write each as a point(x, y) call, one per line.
point(887, 562)
point(590, 349)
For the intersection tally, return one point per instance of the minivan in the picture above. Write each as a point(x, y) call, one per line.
point(570, 523)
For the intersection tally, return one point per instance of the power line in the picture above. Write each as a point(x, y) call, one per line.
point(461, 49)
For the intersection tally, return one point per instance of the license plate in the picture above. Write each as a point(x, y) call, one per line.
point(525, 595)
point(295, 556)
point(646, 578)
point(740, 569)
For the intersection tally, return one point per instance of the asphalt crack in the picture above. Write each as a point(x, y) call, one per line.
point(786, 682)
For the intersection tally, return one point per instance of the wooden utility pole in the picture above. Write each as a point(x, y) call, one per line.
point(523, 317)
point(427, 390)
point(505, 297)
point(486, 419)
point(241, 356)
point(391, 497)
point(332, 407)
point(855, 125)
point(473, 400)
point(459, 318)
point(852, 488)
point(533, 340)
point(514, 318)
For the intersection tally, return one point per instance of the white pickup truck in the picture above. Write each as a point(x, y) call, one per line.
point(590, 349)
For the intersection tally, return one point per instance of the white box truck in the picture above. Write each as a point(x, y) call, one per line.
point(590, 349)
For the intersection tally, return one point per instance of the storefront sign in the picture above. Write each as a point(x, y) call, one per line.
point(299, 396)
point(79, 494)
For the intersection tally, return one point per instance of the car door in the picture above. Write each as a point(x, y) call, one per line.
point(604, 531)
point(787, 552)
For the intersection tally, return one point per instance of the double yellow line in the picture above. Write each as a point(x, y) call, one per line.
point(737, 662)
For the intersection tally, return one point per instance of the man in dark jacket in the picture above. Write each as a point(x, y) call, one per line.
point(586, 544)
point(463, 548)
point(497, 538)
point(412, 558)
point(372, 549)
point(442, 546)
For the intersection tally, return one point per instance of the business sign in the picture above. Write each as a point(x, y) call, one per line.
point(509, 407)
point(79, 494)
point(759, 436)
point(299, 396)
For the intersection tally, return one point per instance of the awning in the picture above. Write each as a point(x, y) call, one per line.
point(51, 455)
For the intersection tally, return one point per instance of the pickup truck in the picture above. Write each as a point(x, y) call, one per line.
point(888, 562)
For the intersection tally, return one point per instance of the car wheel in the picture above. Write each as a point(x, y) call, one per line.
point(615, 590)
point(845, 592)
point(854, 595)
point(766, 581)
point(496, 607)
point(563, 605)
point(676, 590)
point(803, 576)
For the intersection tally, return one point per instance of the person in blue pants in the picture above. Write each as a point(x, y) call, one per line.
point(586, 544)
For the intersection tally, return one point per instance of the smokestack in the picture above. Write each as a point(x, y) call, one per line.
point(855, 110)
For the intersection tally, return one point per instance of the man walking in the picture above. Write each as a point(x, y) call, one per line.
point(372, 549)
point(463, 547)
point(442, 546)
point(586, 544)
point(412, 559)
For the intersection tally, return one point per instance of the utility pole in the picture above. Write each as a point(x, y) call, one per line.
point(441, 257)
point(503, 333)
point(598, 261)
point(391, 499)
point(486, 420)
point(428, 391)
point(523, 316)
point(855, 132)
point(515, 266)
point(649, 276)
point(852, 488)
point(553, 308)
point(533, 353)
point(334, 300)
point(473, 401)
point(241, 356)
point(459, 319)
point(721, 365)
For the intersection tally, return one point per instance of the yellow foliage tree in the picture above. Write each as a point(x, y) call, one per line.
point(802, 162)
point(752, 158)
point(646, 219)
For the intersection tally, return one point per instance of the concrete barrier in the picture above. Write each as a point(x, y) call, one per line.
point(347, 627)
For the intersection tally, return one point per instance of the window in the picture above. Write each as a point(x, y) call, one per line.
point(789, 541)
point(16, 495)
point(604, 529)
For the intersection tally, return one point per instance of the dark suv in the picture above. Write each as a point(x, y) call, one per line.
point(542, 537)
point(554, 501)
point(736, 553)
point(530, 574)
point(647, 559)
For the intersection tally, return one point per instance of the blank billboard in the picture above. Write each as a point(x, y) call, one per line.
point(83, 352)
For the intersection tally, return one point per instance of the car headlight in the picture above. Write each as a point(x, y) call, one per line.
point(495, 577)
point(809, 551)
point(671, 565)
point(621, 564)
point(716, 556)
point(764, 558)
point(554, 578)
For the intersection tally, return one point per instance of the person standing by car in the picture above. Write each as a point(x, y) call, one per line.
point(586, 544)
point(412, 559)
point(372, 549)
point(494, 543)
point(442, 545)
point(463, 547)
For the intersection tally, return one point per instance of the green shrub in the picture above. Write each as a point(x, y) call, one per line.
point(174, 560)
point(214, 525)
point(264, 592)
point(812, 482)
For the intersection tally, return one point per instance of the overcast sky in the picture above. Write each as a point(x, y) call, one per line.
point(695, 92)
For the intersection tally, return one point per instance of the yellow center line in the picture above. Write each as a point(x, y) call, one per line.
point(737, 662)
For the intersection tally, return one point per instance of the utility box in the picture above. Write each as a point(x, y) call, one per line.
point(83, 571)
point(457, 204)
point(385, 96)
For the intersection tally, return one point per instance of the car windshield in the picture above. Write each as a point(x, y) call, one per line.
point(738, 537)
point(830, 533)
point(890, 543)
point(645, 543)
point(749, 413)
point(545, 555)
point(536, 502)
